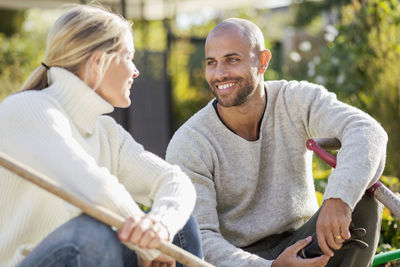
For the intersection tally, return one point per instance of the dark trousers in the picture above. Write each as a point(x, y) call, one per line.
point(367, 214)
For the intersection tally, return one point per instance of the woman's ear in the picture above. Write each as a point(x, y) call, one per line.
point(264, 58)
point(94, 62)
point(90, 70)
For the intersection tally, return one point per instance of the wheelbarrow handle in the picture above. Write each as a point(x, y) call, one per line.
point(378, 190)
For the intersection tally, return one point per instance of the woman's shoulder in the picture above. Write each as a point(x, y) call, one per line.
point(112, 129)
point(26, 99)
point(27, 106)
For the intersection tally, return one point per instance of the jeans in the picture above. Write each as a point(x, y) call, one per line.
point(85, 241)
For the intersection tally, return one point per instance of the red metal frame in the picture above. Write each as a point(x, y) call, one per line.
point(313, 145)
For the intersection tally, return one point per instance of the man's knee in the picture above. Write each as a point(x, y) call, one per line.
point(368, 213)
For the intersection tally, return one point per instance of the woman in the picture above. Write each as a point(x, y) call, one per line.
point(56, 126)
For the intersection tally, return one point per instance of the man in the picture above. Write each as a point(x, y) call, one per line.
point(246, 154)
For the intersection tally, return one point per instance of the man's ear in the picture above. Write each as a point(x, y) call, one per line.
point(264, 58)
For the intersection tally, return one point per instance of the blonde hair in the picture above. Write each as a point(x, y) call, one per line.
point(75, 36)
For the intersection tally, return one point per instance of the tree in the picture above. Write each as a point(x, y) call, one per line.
point(308, 10)
point(11, 21)
point(22, 51)
point(362, 65)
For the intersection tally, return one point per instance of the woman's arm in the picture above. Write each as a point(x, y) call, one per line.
point(156, 184)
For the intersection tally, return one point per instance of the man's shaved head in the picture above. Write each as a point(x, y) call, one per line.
point(236, 60)
point(246, 28)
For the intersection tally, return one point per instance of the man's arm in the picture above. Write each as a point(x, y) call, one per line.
point(360, 161)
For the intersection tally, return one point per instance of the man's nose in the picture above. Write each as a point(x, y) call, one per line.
point(221, 71)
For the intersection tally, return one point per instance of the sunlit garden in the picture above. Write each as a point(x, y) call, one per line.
point(351, 47)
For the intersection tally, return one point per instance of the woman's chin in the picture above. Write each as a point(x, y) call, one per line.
point(124, 103)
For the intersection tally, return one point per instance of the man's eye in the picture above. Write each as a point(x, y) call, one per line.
point(233, 59)
point(208, 63)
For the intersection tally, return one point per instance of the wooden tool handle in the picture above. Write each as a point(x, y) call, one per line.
point(100, 213)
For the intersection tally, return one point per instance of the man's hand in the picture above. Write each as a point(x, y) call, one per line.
point(161, 261)
point(289, 258)
point(313, 250)
point(143, 231)
point(333, 225)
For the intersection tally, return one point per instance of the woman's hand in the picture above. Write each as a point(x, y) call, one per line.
point(144, 232)
point(289, 258)
point(161, 261)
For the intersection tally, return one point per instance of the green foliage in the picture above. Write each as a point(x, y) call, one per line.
point(19, 56)
point(307, 10)
point(149, 35)
point(22, 52)
point(11, 21)
point(361, 65)
point(190, 90)
point(186, 67)
point(11, 49)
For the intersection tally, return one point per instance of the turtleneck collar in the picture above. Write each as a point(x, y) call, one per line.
point(81, 102)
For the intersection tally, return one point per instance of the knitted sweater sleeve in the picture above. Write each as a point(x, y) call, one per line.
point(361, 160)
point(156, 184)
point(194, 154)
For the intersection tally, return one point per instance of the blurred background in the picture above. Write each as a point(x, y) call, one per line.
point(352, 47)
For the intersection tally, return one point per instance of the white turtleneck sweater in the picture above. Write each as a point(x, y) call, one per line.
point(60, 132)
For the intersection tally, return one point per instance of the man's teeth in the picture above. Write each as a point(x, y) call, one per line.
point(224, 86)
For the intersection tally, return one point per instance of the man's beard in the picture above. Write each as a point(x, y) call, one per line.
point(242, 95)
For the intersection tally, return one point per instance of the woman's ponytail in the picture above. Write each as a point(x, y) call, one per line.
point(37, 80)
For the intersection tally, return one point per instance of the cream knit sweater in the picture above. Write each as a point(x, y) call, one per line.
point(60, 132)
point(249, 190)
